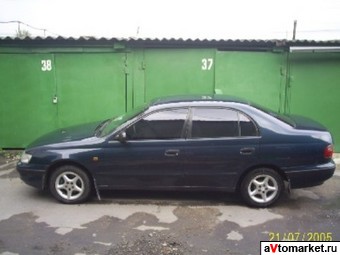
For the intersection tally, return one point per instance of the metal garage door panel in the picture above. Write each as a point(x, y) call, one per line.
point(91, 87)
point(27, 89)
point(176, 71)
point(313, 90)
point(256, 76)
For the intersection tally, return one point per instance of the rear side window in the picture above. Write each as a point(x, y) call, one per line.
point(247, 126)
point(220, 122)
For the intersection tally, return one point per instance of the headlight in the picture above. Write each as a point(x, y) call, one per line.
point(25, 158)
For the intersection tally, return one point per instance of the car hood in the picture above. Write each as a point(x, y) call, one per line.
point(301, 122)
point(68, 134)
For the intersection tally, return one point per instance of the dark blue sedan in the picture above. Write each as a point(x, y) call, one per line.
point(198, 142)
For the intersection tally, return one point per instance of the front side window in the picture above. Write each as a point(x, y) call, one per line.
point(220, 122)
point(166, 124)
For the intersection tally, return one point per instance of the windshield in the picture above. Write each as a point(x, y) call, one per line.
point(110, 125)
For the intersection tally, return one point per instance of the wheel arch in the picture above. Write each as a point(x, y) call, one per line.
point(65, 162)
point(269, 166)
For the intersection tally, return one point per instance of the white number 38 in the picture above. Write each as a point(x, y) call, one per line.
point(46, 65)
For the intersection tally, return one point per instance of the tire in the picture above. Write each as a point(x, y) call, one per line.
point(70, 185)
point(262, 187)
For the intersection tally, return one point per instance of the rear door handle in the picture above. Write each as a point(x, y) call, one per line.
point(171, 153)
point(247, 151)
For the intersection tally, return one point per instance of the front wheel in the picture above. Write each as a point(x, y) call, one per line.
point(261, 187)
point(70, 184)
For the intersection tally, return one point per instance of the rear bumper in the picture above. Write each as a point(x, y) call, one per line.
point(310, 176)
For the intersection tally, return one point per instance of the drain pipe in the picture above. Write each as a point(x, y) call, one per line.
point(313, 49)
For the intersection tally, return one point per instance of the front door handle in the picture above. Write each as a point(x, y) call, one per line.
point(247, 151)
point(171, 153)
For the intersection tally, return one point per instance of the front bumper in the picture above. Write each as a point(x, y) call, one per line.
point(310, 176)
point(31, 175)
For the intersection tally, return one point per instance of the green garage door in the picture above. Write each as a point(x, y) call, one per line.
point(27, 90)
point(43, 92)
point(177, 72)
point(314, 89)
point(91, 86)
point(256, 76)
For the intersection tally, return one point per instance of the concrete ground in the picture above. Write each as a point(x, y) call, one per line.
point(32, 222)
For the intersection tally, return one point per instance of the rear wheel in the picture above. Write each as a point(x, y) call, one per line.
point(262, 187)
point(70, 184)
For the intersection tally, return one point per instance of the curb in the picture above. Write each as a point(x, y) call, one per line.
point(7, 166)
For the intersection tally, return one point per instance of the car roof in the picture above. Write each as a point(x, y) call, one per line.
point(197, 98)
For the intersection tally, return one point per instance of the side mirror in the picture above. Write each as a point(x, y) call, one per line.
point(121, 137)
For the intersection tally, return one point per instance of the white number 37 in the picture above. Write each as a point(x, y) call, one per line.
point(207, 63)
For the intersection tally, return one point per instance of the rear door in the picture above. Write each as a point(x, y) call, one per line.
point(223, 142)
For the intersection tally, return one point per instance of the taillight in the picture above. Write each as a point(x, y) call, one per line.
point(328, 152)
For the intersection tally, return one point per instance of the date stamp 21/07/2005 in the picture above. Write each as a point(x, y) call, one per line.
point(300, 236)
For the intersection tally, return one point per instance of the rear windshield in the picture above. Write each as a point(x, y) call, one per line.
point(279, 116)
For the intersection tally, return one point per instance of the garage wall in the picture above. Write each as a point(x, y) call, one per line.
point(257, 76)
point(41, 92)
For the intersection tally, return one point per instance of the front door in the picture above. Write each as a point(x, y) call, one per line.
point(152, 155)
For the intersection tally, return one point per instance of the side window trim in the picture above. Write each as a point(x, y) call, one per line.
point(186, 125)
point(239, 124)
point(189, 124)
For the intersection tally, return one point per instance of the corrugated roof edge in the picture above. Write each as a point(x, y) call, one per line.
point(164, 42)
